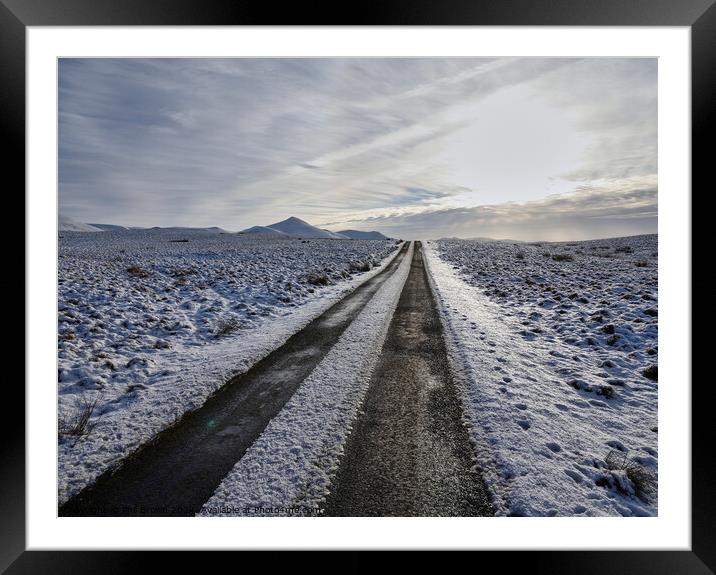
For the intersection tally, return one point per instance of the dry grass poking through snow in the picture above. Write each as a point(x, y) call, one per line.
point(79, 421)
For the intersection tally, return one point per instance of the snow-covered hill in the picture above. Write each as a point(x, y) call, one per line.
point(358, 235)
point(264, 231)
point(297, 228)
point(109, 227)
point(65, 224)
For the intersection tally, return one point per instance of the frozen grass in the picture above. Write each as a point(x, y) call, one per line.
point(641, 481)
point(77, 422)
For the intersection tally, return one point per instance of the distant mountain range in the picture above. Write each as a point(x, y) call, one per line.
point(67, 224)
point(296, 228)
point(288, 228)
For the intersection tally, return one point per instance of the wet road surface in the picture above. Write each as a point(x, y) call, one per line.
point(409, 454)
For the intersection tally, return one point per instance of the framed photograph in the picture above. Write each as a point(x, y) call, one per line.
point(395, 282)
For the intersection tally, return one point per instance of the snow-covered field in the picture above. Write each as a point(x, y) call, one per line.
point(151, 322)
point(555, 348)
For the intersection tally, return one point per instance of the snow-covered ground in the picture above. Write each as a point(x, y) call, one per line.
point(288, 469)
point(554, 346)
point(151, 322)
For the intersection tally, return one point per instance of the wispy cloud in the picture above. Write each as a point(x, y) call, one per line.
point(418, 146)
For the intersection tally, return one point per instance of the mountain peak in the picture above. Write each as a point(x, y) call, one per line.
point(294, 220)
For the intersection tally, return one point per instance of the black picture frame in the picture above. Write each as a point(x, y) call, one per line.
point(700, 15)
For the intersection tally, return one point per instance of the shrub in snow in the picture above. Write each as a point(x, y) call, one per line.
point(318, 279)
point(359, 266)
point(651, 373)
point(77, 422)
point(227, 326)
point(138, 362)
point(624, 250)
point(641, 481)
point(138, 272)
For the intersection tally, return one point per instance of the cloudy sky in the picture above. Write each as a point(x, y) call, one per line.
point(526, 148)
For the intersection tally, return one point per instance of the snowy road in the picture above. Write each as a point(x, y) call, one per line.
point(179, 470)
point(409, 454)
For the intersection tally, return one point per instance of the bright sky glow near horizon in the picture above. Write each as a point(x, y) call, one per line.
point(527, 149)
